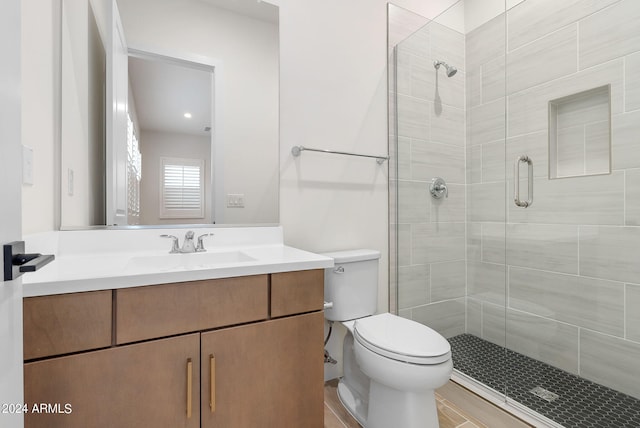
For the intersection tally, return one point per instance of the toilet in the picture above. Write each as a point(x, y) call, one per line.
point(392, 365)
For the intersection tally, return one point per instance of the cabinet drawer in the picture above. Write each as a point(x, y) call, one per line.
point(65, 323)
point(169, 309)
point(297, 292)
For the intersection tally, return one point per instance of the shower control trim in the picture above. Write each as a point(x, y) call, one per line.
point(438, 188)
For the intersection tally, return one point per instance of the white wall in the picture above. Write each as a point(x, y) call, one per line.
point(153, 146)
point(333, 67)
point(38, 200)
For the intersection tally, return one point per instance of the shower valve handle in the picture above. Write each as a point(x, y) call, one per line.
point(438, 188)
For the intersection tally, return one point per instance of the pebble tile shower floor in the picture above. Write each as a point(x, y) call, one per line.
point(580, 403)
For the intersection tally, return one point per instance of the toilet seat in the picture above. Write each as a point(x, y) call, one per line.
point(401, 339)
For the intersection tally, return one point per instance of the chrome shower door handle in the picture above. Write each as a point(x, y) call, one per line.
point(516, 179)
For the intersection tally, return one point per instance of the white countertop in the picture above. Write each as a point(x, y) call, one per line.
point(102, 259)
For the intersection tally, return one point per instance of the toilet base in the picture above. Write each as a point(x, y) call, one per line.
point(356, 405)
point(389, 407)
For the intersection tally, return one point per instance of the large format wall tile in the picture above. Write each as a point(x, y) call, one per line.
point(422, 77)
point(447, 317)
point(448, 280)
point(493, 243)
point(418, 42)
point(586, 302)
point(413, 117)
point(430, 160)
point(547, 247)
point(493, 323)
point(473, 87)
point(486, 202)
point(415, 286)
point(404, 160)
point(474, 317)
point(449, 90)
point(413, 202)
point(486, 282)
point(625, 140)
point(543, 339)
point(546, 59)
point(632, 82)
point(486, 123)
point(449, 209)
point(610, 361)
point(493, 79)
point(578, 200)
point(610, 253)
point(474, 164)
point(402, 72)
point(447, 125)
point(474, 242)
point(437, 242)
point(485, 43)
point(403, 244)
point(632, 312)
point(536, 146)
point(447, 45)
point(632, 192)
point(493, 161)
point(611, 33)
point(531, 20)
point(528, 110)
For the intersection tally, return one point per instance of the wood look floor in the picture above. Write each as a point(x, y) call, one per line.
point(457, 408)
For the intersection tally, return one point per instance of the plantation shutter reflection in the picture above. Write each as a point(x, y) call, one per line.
point(182, 188)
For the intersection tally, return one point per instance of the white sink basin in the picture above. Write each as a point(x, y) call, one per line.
point(172, 262)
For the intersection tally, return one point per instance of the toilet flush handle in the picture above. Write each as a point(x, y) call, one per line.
point(339, 269)
point(328, 305)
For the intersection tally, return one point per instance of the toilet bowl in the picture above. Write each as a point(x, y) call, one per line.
point(392, 365)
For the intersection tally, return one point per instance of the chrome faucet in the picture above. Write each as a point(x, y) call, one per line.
point(200, 247)
point(187, 246)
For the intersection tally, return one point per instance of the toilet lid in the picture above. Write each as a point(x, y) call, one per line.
point(402, 339)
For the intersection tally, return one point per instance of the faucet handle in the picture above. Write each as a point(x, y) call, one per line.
point(175, 247)
point(188, 235)
point(200, 248)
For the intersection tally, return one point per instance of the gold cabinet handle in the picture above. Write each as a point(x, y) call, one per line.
point(212, 383)
point(189, 387)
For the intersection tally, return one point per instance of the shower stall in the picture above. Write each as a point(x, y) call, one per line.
point(514, 191)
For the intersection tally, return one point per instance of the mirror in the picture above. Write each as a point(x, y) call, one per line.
point(169, 112)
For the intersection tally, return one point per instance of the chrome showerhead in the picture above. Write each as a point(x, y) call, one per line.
point(450, 69)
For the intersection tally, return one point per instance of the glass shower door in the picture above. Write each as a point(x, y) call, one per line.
point(572, 236)
point(447, 187)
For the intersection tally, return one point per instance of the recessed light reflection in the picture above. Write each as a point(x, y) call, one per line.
point(187, 115)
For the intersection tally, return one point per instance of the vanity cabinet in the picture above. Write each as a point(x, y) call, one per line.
point(142, 385)
point(264, 374)
point(227, 353)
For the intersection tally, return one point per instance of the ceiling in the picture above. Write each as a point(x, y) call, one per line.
point(257, 9)
point(163, 92)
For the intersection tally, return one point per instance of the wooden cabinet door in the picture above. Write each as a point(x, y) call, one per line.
point(142, 385)
point(267, 375)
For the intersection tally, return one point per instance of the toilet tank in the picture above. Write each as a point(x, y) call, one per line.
point(352, 284)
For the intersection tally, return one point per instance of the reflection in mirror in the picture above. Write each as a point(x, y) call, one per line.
point(130, 155)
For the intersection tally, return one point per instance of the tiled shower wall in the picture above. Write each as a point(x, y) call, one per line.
point(431, 143)
point(571, 261)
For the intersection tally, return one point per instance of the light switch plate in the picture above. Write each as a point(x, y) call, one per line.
point(235, 200)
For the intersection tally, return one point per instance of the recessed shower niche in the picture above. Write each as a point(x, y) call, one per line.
point(580, 134)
